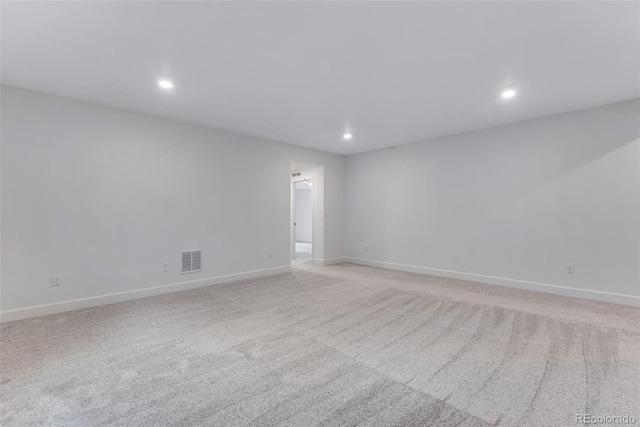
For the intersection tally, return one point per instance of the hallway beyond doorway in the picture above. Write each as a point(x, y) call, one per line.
point(303, 251)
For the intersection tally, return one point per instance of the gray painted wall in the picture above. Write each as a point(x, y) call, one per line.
point(515, 202)
point(104, 197)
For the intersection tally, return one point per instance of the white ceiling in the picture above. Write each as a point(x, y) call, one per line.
point(304, 73)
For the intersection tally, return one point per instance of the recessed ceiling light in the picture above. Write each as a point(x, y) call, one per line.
point(165, 84)
point(383, 145)
point(347, 136)
point(510, 93)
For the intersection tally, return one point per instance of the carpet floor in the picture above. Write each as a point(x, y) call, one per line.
point(342, 345)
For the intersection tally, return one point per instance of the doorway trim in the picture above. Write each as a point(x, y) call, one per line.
point(293, 216)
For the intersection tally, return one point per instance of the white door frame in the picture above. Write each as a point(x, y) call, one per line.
point(293, 216)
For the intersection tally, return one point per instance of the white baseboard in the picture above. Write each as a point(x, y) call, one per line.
point(77, 304)
point(501, 281)
point(329, 261)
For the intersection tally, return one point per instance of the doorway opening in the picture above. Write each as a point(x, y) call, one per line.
point(302, 220)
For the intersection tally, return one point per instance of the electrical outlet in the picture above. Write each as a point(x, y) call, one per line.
point(165, 267)
point(569, 268)
point(56, 280)
point(270, 255)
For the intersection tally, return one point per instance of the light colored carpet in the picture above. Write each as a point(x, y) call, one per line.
point(340, 345)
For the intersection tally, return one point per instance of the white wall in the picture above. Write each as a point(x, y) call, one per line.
point(104, 196)
point(303, 214)
point(515, 202)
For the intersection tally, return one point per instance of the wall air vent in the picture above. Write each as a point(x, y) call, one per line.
point(191, 261)
point(293, 175)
